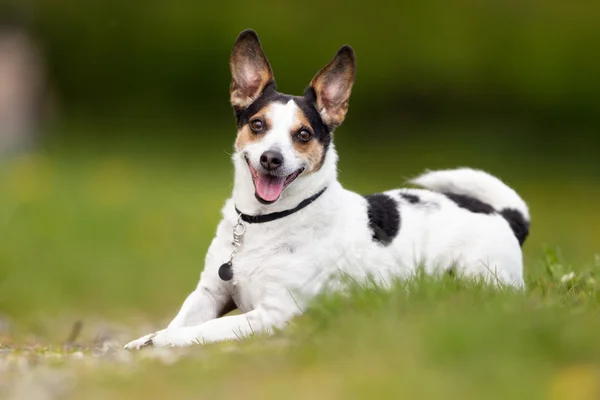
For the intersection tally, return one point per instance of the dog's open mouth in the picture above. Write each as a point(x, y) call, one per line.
point(269, 187)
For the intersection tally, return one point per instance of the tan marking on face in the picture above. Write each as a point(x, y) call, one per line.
point(311, 151)
point(245, 135)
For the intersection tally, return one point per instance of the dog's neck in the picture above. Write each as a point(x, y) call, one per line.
point(301, 189)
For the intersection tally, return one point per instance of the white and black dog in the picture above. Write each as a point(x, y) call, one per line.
point(296, 230)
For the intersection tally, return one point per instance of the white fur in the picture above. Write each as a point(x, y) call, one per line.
point(285, 263)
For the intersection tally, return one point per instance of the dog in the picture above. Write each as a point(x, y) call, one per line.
point(290, 231)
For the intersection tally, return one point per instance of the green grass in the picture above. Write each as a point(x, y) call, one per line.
point(115, 238)
point(426, 338)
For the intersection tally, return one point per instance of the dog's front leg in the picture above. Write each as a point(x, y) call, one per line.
point(200, 306)
point(260, 320)
point(203, 304)
point(226, 328)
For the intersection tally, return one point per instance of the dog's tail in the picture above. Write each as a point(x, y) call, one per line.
point(485, 188)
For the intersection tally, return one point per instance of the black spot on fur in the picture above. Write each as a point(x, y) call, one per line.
point(411, 198)
point(470, 203)
point(517, 223)
point(515, 218)
point(384, 218)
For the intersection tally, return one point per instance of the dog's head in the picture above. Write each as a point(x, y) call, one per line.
point(282, 139)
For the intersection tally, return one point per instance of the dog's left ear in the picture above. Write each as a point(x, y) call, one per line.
point(250, 70)
point(332, 86)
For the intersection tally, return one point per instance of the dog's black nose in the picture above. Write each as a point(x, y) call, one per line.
point(271, 160)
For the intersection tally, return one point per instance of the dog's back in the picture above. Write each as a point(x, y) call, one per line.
point(465, 220)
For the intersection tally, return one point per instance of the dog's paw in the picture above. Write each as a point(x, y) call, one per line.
point(181, 337)
point(175, 338)
point(144, 341)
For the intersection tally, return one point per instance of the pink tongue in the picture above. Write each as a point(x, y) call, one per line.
point(269, 187)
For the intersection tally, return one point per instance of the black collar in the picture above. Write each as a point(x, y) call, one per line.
point(260, 218)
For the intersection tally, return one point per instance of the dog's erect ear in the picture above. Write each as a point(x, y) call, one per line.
point(250, 70)
point(332, 86)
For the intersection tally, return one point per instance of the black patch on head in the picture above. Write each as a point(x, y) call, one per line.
point(268, 95)
point(470, 203)
point(384, 218)
point(321, 131)
point(517, 222)
point(411, 198)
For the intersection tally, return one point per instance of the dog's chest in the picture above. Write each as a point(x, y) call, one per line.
point(255, 269)
point(270, 260)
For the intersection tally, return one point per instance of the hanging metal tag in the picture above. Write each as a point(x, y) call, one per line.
point(226, 270)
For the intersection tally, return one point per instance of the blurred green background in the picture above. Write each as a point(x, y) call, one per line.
point(112, 211)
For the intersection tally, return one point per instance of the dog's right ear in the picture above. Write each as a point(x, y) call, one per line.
point(250, 70)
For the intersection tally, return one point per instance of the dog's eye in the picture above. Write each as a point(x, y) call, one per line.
point(256, 125)
point(304, 135)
